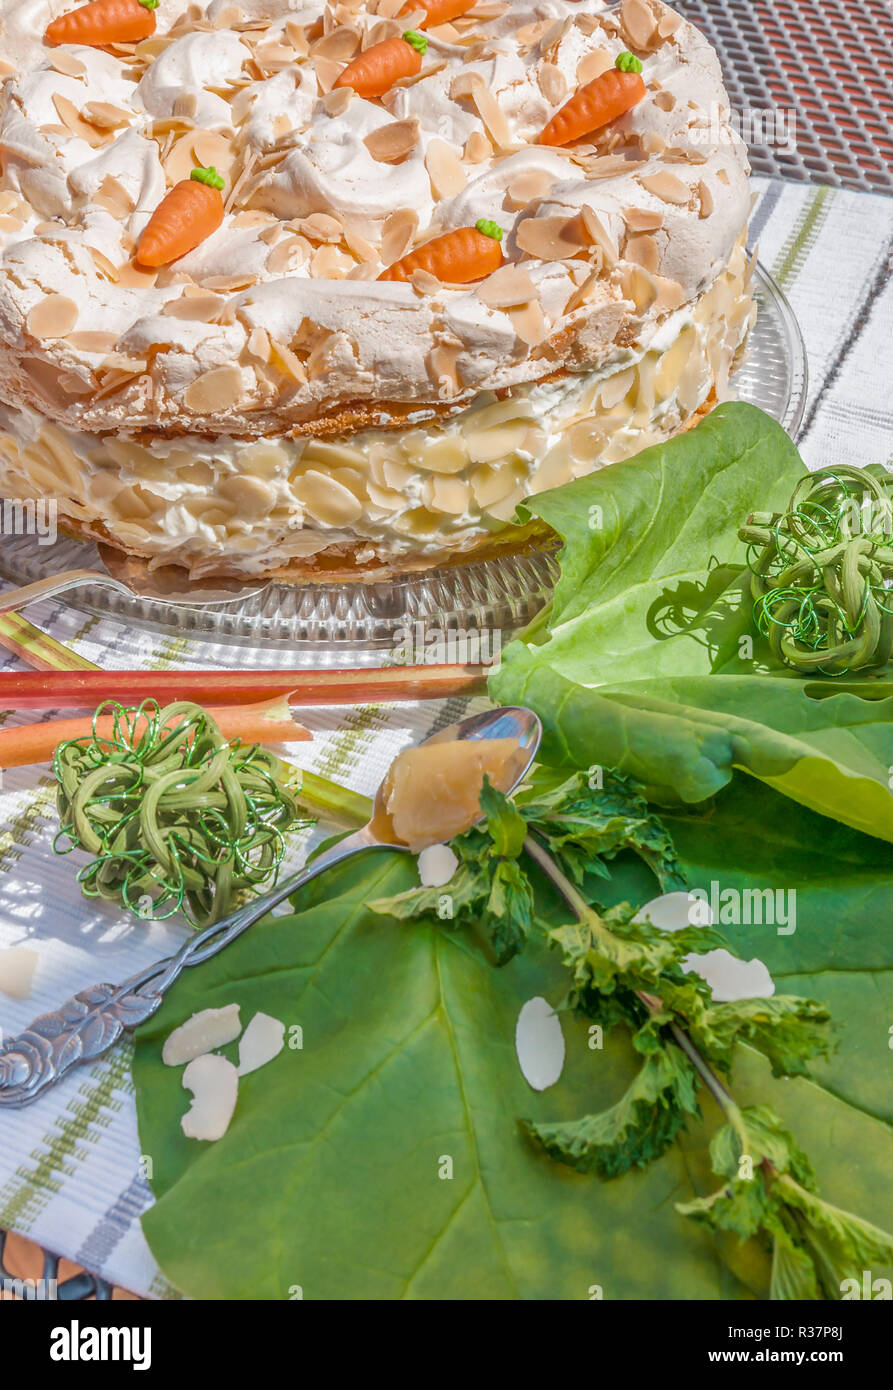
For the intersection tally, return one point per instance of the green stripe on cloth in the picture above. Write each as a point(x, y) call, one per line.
point(802, 236)
point(25, 1195)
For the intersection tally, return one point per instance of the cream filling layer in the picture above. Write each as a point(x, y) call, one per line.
point(434, 488)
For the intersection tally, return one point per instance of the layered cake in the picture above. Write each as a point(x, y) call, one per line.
point(328, 289)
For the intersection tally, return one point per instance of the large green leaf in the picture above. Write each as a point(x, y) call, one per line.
point(643, 661)
point(841, 951)
point(328, 1176)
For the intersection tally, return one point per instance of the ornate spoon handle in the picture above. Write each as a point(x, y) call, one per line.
point(88, 1024)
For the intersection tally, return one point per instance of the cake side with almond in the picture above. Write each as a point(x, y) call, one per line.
point(375, 322)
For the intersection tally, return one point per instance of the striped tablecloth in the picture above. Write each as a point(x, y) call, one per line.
point(70, 1173)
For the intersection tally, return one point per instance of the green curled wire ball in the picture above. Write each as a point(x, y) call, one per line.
point(175, 817)
point(820, 572)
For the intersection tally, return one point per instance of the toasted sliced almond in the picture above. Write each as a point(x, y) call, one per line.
point(651, 142)
point(397, 234)
point(321, 226)
point(113, 196)
point(642, 250)
point(213, 149)
point(70, 116)
point(643, 219)
point(664, 101)
point(106, 116)
point(529, 186)
point(669, 23)
point(335, 102)
point(424, 283)
point(102, 343)
point(706, 199)
point(550, 238)
point(214, 391)
point(340, 45)
point(552, 83)
point(198, 308)
point(639, 286)
point(359, 246)
point(670, 294)
point(667, 186)
point(259, 345)
point(445, 169)
point(593, 65)
point(477, 148)
point(506, 287)
point(53, 317)
point(329, 263)
point(67, 63)
point(393, 142)
point(287, 361)
point(229, 283)
point(135, 277)
point(327, 74)
point(723, 176)
point(443, 368)
point(638, 23)
point(583, 293)
point(287, 255)
point(529, 322)
point(599, 233)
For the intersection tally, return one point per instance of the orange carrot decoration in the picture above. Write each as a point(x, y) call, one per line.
point(612, 94)
point(375, 71)
point(183, 219)
point(457, 258)
point(104, 22)
point(439, 11)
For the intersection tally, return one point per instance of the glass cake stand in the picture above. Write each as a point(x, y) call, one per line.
point(340, 622)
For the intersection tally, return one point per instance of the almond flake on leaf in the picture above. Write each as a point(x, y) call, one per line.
point(214, 1083)
point(263, 1039)
point(202, 1033)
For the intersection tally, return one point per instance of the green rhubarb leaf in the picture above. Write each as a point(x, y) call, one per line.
point(793, 1272)
point(647, 660)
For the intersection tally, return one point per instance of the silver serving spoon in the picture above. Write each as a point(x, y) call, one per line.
point(89, 1023)
point(131, 576)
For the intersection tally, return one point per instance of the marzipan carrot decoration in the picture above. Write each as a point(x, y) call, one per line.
point(439, 11)
point(604, 99)
point(104, 22)
point(183, 219)
point(457, 258)
point(375, 71)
